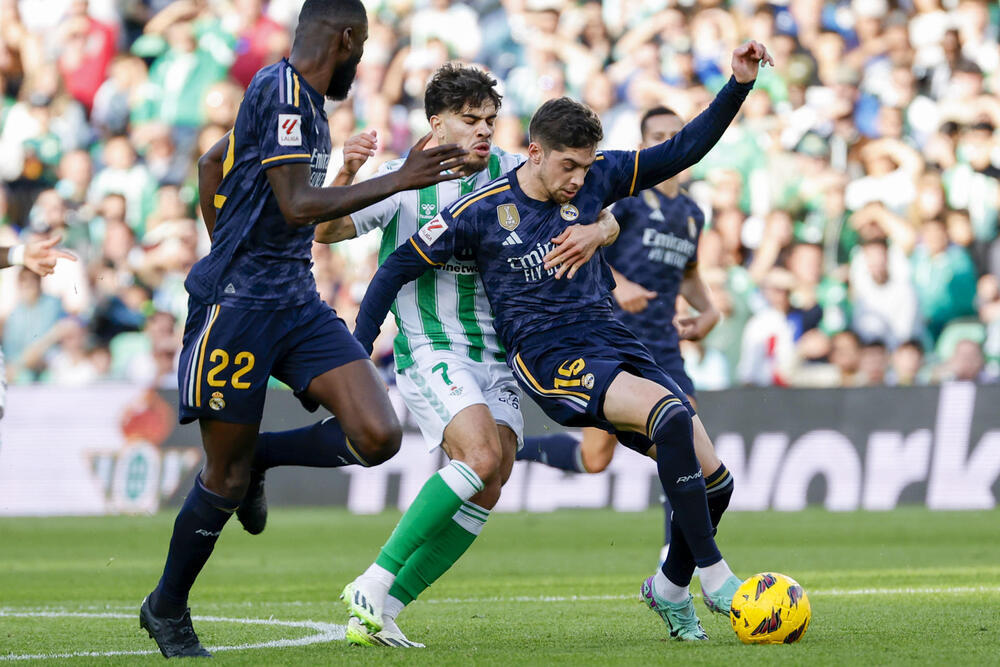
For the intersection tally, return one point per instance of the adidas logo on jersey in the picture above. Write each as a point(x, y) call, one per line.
point(230, 289)
point(512, 239)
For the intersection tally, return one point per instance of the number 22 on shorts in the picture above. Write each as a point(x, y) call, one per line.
point(244, 362)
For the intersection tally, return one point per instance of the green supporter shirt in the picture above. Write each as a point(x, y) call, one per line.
point(946, 286)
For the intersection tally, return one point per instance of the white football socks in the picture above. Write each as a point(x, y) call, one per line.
point(392, 608)
point(713, 576)
point(668, 590)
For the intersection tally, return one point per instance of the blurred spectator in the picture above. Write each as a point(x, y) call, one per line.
point(908, 365)
point(883, 298)
point(33, 316)
point(966, 363)
point(845, 355)
point(768, 348)
point(873, 364)
point(86, 47)
point(707, 367)
point(260, 40)
point(854, 201)
point(944, 278)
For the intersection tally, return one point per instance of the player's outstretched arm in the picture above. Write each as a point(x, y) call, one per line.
point(405, 264)
point(695, 292)
point(209, 178)
point(39, 256)
point(357, 150)
point(302, 204)
point(663, 161)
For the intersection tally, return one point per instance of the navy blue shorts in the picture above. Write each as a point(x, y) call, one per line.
point(566, 371)
point(229, 353)
point(670, 360)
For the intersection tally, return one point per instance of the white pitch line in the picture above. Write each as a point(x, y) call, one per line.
point(324, 632)
point(329, 632)
point(833, 592)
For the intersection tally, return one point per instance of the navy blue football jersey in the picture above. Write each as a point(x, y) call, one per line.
point(258, 261)
point(657, 243)
point(508, 235)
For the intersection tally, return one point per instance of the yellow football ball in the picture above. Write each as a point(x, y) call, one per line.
point(770, 608)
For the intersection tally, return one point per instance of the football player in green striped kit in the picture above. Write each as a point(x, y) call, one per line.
point(450, 366)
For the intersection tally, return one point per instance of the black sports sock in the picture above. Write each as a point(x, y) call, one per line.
point(680, 564)
point(669, 426)
point(668, 512)
point(719, 488)
point(196, 530)
point(559, 450)
point(319, 445)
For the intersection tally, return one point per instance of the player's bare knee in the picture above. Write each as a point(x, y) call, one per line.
point(229, 480)
point(596, 459)
point(378, 441)
point(489, 496)
point(486, 462)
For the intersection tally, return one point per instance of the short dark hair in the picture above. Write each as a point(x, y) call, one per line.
point(341, 11)
point(652, 113)
point(875, 343)
point(455, 86)
point(565, 123)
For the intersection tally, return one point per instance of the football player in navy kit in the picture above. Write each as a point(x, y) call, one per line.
point(566, 347)
point(254, 311)
point(653, 260)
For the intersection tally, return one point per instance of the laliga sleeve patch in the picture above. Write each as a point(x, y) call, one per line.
point(433, 230)
point(289, 129)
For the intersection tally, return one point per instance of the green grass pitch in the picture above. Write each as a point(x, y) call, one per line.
point(904, 587)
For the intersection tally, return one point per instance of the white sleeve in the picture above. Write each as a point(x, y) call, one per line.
point(380, 213)
point(377, 215)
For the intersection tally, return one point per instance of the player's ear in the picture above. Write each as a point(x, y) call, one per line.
point(347, 40)
point(437, 127)
point(535, 153)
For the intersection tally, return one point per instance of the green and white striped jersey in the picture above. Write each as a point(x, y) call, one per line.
point(446, 308)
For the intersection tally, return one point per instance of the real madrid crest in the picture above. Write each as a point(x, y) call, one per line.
point(216, 402)
point(508, 216)
point(588, 381)
point(568, 212)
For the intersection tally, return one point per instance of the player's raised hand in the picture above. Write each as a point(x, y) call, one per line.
point(40, 256)
point(748, 58)
point(632, 297)
point(425, 167)
point(358, 149)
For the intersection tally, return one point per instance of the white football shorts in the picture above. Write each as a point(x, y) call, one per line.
point(442, 383)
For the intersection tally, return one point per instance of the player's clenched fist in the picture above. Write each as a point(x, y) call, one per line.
point(358, 149)
point(748, 58)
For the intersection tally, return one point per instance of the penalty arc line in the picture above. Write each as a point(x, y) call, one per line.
point(324, 632)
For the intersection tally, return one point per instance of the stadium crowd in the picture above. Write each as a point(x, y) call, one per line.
point(852, 210)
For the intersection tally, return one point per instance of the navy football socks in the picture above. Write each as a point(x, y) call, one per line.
point(559, 450)
point(320, 445)
point(196, 530)
point(669, 427)
point(680, 564)
point(667, 518)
